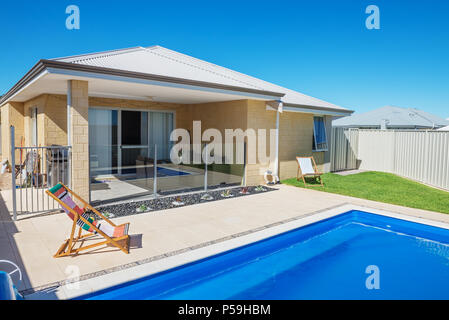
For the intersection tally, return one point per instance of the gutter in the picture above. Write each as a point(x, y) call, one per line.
point(390, 128)
point(308, 108)
point(44, 64)
point(27, 78)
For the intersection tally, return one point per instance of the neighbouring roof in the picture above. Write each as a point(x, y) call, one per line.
point(444, 129)
point(394, 117)
point(160, 62)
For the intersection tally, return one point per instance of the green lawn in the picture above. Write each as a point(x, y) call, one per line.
point(384, 187)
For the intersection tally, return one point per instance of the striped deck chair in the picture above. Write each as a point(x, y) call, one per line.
point(307, 168)
point(83, 219)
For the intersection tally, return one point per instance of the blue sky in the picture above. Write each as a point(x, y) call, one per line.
point(320, 48)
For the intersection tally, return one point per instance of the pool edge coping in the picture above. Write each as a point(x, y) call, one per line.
point(145, 267)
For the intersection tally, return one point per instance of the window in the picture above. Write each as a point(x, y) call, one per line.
point(34, 126)
point(319, 134)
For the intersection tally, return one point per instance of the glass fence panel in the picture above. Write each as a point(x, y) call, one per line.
point(227, 172)
point(175, 178)
point(143, 171)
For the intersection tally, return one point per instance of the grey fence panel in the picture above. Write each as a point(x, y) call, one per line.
point(344, 149)
point(353, 148)
point(376, 150)
point(419, 155)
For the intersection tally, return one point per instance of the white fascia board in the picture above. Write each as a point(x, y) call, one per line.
point(312, 111)
point(84, 74)
point(42, 74)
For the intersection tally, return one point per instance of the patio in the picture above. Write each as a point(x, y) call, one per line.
point(134, 187)
point(32, 241)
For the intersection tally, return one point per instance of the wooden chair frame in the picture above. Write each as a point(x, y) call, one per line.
point(67, 248)
point(317, 174)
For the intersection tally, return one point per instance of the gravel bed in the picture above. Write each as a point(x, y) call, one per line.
point(153, 205)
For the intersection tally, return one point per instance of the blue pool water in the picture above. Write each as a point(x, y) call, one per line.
point(325, 260)
point(161, 172)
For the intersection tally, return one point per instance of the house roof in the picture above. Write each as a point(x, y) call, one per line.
point(165, 62)
point(444, 129)
point(155, 66)
point(395, 117)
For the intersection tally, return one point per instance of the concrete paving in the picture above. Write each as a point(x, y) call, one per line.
point(32, 241)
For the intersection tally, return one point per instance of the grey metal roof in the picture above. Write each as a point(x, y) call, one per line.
point(161, 61)
point(395, 117)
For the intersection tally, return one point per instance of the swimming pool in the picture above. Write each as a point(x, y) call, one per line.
point(161, 172)
point(130, 173)
point(328, 259)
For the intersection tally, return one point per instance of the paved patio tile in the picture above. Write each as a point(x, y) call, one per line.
point(33, 241)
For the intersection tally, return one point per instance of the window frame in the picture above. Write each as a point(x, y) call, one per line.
point(34, 112)
point(315, 149)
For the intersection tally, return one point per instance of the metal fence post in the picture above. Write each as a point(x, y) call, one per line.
point(245, 155)
point(155, 172)
point(69, 166)
point(13, 173)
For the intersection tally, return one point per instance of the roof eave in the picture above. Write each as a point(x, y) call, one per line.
point(34, 72)
point(318, 108)
point(45, 64)
point(354, 126)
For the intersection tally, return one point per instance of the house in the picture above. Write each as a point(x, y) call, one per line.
point(390, 117)
point(445, 128)
point(112, 107)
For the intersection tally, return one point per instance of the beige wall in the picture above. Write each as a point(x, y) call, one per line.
point(5, 131)
point(219, 115)
point(259, 118)
point(40, 103)
point(12, 114)
point(56, 120)
point(295, 139)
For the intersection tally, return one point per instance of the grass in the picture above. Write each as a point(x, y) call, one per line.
point(383, 187)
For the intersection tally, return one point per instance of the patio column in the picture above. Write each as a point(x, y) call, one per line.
point(78, 135)
point(279, 107)
point(276, 165)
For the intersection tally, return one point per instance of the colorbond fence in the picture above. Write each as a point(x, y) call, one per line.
point(418, 155)
point(344, 149)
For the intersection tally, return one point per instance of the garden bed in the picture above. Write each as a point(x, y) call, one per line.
point(170, 202)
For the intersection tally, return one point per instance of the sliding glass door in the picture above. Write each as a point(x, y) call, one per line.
point(161, 126)
point(103, 142)
point(134, 141)
point(121, 142)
